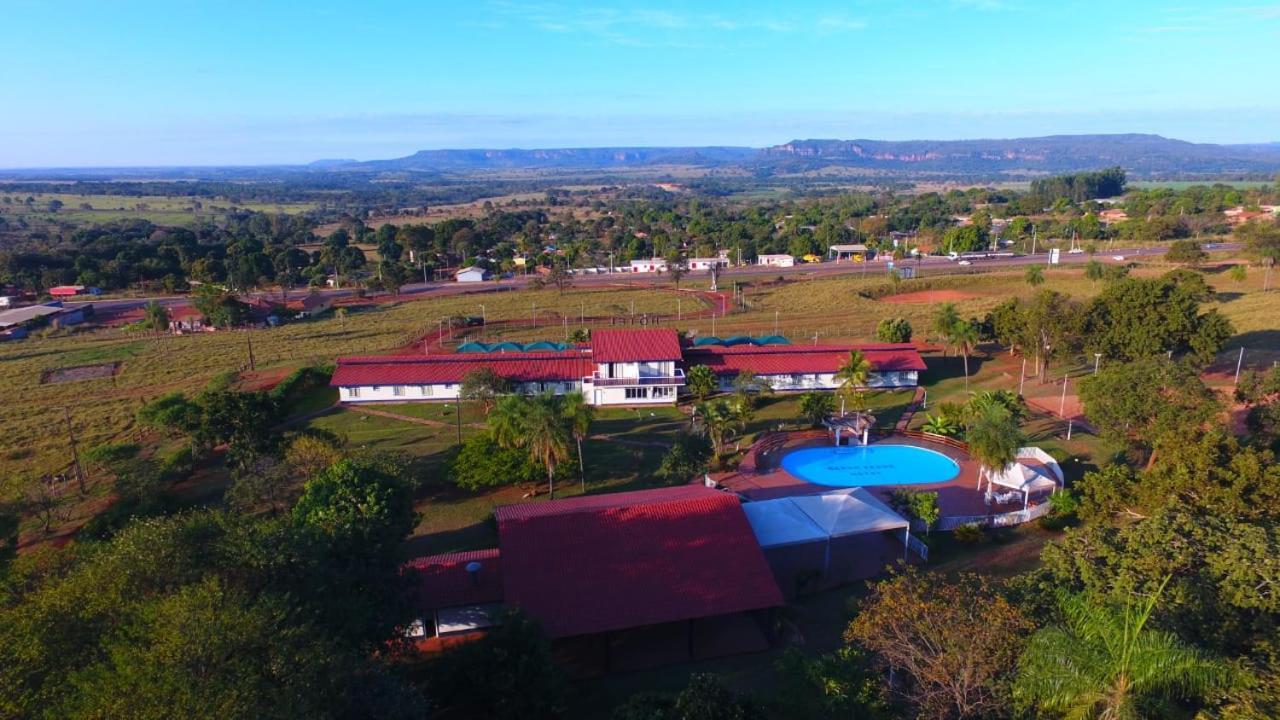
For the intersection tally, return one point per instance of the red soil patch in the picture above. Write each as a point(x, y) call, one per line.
point(262, 380)
point(928, 296)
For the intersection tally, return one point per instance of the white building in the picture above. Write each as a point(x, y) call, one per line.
point(706, 263)
point(622, 367)
point(776, 260)
point(471, 274)
point(649, 265)
point(808, 367)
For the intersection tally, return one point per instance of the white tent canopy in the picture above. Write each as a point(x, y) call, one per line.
point(1026, 478)
point(781, 522)
point(849, 512)
point(817, 518)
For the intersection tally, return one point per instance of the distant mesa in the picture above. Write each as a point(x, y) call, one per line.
point(1140, 154)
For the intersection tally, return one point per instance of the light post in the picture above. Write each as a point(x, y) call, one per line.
point(484, 316)
point(1022, 379)
point(1062, 406)
point(775, 322)
point(1097, 357)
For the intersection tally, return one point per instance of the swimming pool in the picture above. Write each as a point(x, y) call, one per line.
point(870, 466)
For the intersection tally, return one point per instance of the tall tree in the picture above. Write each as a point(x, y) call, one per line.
point(578, 416)
point(952, 645)
point(853, 376)
point(1107, 663)
point(701, 382)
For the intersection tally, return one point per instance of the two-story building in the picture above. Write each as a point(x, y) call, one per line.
point(634, 367)
point(618, 367)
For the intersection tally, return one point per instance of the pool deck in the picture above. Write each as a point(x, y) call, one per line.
point(957, 496)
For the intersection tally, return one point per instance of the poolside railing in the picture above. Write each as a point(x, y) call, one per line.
point(1008, 519)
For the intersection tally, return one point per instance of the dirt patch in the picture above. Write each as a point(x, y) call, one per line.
point(928, 296)
point(262, 380)
point(80, 372)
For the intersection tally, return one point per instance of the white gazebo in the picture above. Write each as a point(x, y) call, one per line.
point(855, 424)
point(1026, 478)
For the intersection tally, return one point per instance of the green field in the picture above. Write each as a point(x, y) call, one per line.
point(102, 410)
point(160, 209)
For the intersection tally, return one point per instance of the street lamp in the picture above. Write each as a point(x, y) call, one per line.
point(1097, 357)
point(484, 316)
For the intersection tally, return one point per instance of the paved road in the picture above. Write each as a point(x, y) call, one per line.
point(925, 267)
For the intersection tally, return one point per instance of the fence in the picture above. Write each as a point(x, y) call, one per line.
point(918, 547)
point(1008, 519)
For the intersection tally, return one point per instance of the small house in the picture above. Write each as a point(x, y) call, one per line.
point(471, 274)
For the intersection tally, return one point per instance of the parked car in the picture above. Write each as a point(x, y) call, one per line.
point(964, 262)
point(1118, 258)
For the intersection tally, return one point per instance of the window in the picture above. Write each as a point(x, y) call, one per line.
point(376, 388)
point(353, 392)
point(663, 392)
point(639, 393)
point(397, 390)
point(424, 390)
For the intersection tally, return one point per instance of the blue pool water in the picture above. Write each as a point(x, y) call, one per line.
point(868, 466)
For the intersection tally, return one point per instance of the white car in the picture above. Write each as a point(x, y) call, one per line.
point(1075, 251)
point(964, 262)
point(1118, 258)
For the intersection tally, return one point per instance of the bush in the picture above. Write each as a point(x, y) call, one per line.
point(687, 458)
point(970, 533)
point(893, 330)
point(482, 463)
point(300, 381)
point(1185, 251)
point(1064, 511)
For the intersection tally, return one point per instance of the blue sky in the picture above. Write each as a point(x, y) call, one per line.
point(165, 83)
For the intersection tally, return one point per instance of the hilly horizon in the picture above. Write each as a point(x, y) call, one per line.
point(1139, 154)
point(1136, 152)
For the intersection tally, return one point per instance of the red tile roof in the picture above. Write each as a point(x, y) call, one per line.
point(798, 359)
point(443, 580)
point(635, 345)
point(434, 369)
point(627, 560)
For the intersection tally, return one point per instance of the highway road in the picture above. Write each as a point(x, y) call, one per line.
point(924, 267)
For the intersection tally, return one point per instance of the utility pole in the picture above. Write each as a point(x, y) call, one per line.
point(248, 338)
point(75, 453)
point(679, 311)
point(1239, 362)
point(1062, 407)
point(1033, 240)
point(775, 322)
point(1022, 378)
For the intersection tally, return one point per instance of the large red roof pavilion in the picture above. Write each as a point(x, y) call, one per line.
point(625, 560)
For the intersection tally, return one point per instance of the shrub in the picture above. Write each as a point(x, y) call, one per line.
point(970, 533)
point(893, 330)
point(1185, 251)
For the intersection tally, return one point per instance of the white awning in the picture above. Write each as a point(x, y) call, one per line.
point(780, 522)
point(1024, 478)
point(849, 512)
point(813, 518)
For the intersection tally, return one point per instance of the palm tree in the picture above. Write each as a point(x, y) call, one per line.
point(720, 421)
point(1034, 275)
point(965, 336)
point(994, 439)
point(507, 421)
point(547, 437)
point(853, 376)
point(1105, 662)
point(578, 415)
point(944, 322)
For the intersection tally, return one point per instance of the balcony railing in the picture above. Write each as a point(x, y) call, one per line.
point(642, 381)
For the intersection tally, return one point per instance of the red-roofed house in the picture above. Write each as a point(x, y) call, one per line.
point(619, 367)
point(808, 367)
point(634, 367)
point(407, 378)
point(623, 580)
point(459, 592)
